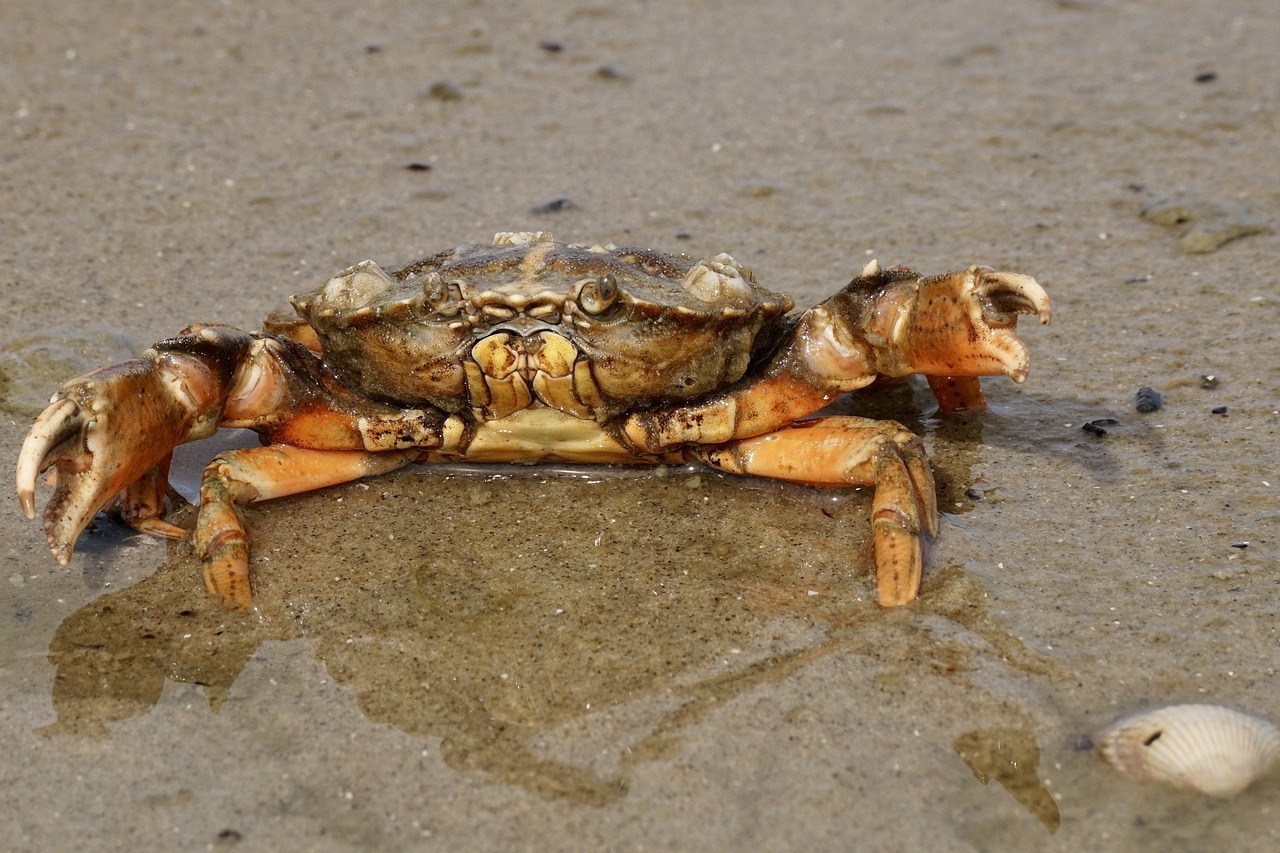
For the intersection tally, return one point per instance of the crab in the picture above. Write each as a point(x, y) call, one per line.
point(528, 350)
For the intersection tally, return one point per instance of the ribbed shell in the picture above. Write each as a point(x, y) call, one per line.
point(1206, 748)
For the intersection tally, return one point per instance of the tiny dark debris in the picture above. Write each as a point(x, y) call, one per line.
point(974, 494)
point(611, 72)
point(230, 835)
point(1219, 410)
point(1147, 400)
point(551, 46)
point(1099, 425)
point(556, 205)
point(445, 91)
point(1240, 545)
point(418, 167)
point(1206, 76)
point(373, 48)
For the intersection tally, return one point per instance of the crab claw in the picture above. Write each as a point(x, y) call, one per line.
point(106, 430)
point(965, 324)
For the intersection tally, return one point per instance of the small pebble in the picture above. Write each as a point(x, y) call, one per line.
point(1147, 400)
point(1209, 382)
point(1099, 426)
point(445, 91)
point(1219, 410)
point(611, 72)
point(556, 205)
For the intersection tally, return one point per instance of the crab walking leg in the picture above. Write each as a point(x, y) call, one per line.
point(957, 394)
point(848, 451)
point(141, 503)
point(260, 474)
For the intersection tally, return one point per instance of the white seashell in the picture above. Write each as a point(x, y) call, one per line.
point(1205, 748)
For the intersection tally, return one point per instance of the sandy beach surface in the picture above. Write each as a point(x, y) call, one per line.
point(672, 660)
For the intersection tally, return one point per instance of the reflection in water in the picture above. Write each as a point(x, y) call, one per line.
point(1011, 757)
point(519, 619)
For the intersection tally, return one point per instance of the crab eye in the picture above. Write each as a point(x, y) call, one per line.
point(596, 297)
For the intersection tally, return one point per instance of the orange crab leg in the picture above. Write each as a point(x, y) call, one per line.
point(142, 502)
point(848, 451)
point(957, 393)
point(259, 474)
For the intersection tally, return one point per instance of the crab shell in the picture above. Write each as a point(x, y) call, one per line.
point(512, 320)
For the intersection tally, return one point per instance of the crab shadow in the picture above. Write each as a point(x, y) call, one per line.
point(554, 631)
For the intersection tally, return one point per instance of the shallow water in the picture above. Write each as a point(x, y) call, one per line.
point(458, 659)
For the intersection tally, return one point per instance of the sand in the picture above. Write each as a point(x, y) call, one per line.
point(458, 660)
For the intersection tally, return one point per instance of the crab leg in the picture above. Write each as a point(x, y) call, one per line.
point(848, 451)
point(260, 474)
point(957, 393)
point(141, 503)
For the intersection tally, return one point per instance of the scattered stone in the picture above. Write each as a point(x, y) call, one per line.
point(1218, 410)
point(445, 91)
point(556, 205)
point(1099, 426)
point(611, 72)
point(1147, 400)
point(1208, 382)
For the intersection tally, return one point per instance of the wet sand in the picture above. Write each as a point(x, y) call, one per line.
point(532, 660)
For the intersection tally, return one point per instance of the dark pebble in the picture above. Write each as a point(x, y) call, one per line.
point(1241, 545)
point(611, 72)
point(1147, 400)
point(1206, 76)
point(1219, 410)
point(418, 167)
point(445, 91)
point(556, 205)
point(1099, 426)
point(551, 46)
